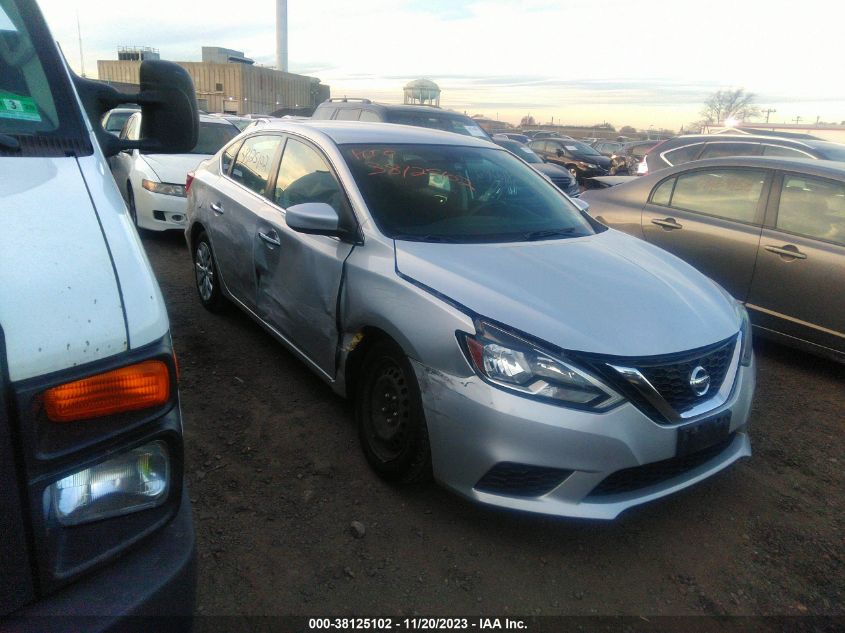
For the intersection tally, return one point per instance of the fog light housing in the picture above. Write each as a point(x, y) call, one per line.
point(136, 480)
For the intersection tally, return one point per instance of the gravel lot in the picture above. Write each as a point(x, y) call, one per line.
point(277, 478)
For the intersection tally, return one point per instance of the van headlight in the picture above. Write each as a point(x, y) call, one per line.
point(133, 481)
point(514, 364)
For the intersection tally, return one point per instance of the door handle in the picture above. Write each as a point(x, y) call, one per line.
point(786, 251)
point(270, 238)
point(218, 209)
point(668, 224)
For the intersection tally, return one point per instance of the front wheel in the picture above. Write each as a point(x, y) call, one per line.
point(391, 423)
point(133, 210)
point(206, 275)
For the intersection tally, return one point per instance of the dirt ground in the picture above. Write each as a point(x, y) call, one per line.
point(277, 478)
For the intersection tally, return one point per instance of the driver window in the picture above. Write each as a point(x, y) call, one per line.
point(304, 176)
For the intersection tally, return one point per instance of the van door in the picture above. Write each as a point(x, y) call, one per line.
point(299, 275)
point(15, 581)
point(712, 219)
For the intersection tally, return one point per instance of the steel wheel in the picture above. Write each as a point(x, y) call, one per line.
point(389, 408)
point(391, 423)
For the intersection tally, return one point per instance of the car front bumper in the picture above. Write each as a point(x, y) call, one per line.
point(150, 588)
point(473, 427)
point(159, 212)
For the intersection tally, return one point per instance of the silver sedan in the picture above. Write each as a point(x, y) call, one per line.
point(490, 333)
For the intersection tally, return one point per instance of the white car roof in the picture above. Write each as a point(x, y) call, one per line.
point(356, 132)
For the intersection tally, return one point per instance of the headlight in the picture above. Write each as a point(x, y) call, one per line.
point(590, 166)
point(745, 330)
point(518, 365)
point(166, 188)
point(133, 481)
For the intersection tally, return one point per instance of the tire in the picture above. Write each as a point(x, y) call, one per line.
point(133, 210)
point(391, 423)
point(206, 276)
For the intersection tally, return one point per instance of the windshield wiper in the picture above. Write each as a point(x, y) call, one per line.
point(9, 142)
point(541, 235)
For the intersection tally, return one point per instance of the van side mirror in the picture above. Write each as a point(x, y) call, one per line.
point(170, 120)
point(559, 152)
point(314, 218)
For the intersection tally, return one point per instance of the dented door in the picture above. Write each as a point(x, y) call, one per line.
point(298, 276)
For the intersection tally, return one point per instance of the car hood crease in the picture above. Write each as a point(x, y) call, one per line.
point(607, 293)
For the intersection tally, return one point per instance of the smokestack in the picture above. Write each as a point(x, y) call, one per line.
point(282, 35)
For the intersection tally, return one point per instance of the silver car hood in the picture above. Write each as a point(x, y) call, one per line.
point(607, 293)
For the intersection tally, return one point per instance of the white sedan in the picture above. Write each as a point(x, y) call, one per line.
point(153, 185)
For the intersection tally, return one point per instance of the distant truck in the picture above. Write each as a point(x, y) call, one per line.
point(94, 516)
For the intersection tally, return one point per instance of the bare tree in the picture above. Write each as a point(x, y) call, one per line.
point(527, 120)
point(628, 129)
point(730, 104)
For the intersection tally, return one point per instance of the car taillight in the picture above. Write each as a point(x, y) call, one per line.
point(188, 180)
point(139, 386)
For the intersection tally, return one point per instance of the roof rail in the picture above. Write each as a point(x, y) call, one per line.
point(345, 99)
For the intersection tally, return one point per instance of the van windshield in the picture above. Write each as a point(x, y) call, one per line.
point(445, 193)
point(35, 96)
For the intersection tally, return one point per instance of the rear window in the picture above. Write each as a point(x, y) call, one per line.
point(717, 150)
point(437, 121)
point(681, 155)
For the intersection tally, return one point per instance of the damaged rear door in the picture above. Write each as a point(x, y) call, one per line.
point(299, 276)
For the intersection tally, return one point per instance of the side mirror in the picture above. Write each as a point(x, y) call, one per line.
point(581, 204)
point(559, 152)
point(170, 119)
point(314, 218)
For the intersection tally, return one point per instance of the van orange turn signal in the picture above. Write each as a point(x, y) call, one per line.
point(140, 386)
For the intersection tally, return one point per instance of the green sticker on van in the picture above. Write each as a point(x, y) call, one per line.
point(14, 106)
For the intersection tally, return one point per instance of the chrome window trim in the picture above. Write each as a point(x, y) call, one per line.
point(648, 391)
point(675, 149)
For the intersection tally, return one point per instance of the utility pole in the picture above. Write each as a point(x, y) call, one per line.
point(81, 56)
point(769, 111)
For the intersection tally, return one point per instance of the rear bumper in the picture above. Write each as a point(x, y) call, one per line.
point(151, 588)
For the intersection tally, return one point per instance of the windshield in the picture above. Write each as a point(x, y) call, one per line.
point(525, 153)
point(437, 121)
point(439, 193)
point(213, 136)
point(34, 93)
point(581, 148)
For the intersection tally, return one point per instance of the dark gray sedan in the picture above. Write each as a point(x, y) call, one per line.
point(770, 230)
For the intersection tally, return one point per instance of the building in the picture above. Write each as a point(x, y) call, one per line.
point(227, 81)
point(220, 55)
point(136, 53)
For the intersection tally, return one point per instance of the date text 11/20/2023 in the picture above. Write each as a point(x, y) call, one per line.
point(415, 624)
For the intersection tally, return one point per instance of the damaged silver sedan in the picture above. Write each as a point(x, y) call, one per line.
point(490, 334)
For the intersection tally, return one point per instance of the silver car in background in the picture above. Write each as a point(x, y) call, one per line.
point(489, 333)
point(771, 231)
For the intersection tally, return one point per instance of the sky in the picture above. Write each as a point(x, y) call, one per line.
point(627, 62)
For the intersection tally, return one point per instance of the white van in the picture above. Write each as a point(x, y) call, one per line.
point(93, 517)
